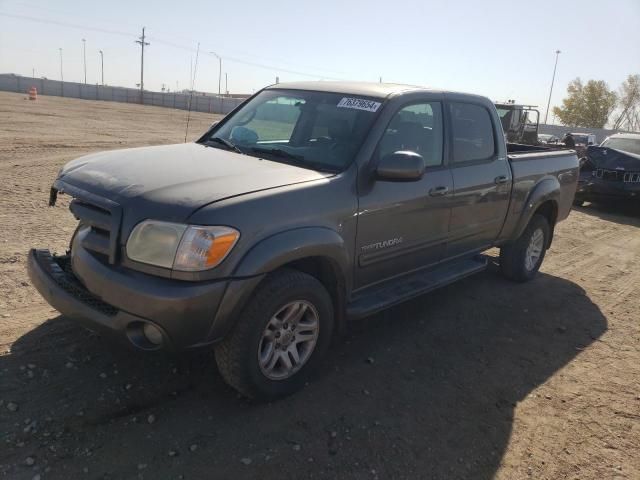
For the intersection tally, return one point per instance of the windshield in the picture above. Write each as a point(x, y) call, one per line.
point(631, 145)
point(316, 130)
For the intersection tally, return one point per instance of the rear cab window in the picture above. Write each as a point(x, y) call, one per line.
point(472, 133)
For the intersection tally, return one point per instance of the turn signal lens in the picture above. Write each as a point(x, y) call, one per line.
point(204, 247)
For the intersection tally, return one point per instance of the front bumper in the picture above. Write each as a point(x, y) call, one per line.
point(607, 190)
point(118, 302)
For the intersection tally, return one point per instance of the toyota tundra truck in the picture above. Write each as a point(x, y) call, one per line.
point(309, 205)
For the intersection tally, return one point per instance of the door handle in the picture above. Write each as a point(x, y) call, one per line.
point(438, 191)
point(500, 180)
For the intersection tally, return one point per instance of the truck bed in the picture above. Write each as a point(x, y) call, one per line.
point(536, 170)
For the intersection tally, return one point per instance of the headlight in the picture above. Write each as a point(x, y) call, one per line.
point(180, 247)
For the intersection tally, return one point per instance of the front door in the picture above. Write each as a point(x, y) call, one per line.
point(403, 226)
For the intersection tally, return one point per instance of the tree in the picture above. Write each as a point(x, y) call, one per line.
point(587, 105)
point(629, 116)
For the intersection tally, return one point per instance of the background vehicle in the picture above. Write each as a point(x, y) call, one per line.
point(611, 171)
point(310, 204)
point(519, 122)
point(546, 138)
point(582, 141)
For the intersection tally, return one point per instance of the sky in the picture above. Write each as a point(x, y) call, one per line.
point(500, 49)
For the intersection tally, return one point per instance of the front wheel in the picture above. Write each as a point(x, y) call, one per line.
point(521, 260)
point(279, 338)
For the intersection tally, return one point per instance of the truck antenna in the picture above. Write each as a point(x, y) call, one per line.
point(193, 82)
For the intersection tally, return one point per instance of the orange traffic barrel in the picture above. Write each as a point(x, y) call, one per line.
point(33, 93)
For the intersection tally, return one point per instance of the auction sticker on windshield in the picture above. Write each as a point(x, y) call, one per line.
point(359, 104)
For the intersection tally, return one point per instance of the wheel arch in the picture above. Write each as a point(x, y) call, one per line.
point(543, 200)
point(317, 251)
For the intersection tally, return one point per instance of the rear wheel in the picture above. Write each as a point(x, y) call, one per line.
point(521, 260)
point(279, 338)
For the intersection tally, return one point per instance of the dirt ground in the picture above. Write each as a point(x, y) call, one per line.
point(482, 379)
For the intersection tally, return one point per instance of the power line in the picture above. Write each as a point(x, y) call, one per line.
point(170, 44)
point(252, 64)
point(66, 24)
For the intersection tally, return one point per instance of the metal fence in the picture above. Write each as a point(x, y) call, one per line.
point(560, 130)
point(200, 103)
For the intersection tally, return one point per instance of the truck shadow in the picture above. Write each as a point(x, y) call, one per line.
point(424, 390)
point(622, 212)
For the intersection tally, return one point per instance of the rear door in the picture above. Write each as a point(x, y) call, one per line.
point(481, 178)
point(403, 226)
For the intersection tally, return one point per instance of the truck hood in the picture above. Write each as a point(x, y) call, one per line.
point(612, 159)
point(173, 181)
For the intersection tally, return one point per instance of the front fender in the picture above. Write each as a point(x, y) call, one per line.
point(547, 189)
point(282, 248)
point(268, 255)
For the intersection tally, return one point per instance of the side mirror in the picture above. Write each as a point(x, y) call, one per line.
point(214, 124)
point(402, 166)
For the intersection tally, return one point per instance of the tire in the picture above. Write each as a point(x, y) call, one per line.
point(515, 259)
point(238, 354)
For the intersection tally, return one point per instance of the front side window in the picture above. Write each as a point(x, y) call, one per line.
point(472, 132)
point(316, 130)
point(416, 128)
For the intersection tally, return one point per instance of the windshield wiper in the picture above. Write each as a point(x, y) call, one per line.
point(298, 160)
point(223, 141)
point(277, 152)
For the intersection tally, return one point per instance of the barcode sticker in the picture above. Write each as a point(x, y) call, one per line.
point(359, 104)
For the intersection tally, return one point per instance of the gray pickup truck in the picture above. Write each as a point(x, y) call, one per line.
point(310, 204)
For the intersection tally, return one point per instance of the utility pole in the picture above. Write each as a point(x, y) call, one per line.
point(219, 70)
point(226, 83)
point(102, 66)
point(84, 56)
point(142, 44)
point(558, 52)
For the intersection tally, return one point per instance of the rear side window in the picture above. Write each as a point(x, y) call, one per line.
point(472, 132)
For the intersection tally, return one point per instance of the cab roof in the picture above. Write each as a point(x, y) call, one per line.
point(365, 89)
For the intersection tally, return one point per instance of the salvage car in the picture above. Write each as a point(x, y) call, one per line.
point(310, 204)
point(611, 171)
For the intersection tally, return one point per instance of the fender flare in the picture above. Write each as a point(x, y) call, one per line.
point(270, 254)
point(547, 189)
point(290, 245)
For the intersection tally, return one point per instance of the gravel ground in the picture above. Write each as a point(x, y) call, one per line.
point(482, 379)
